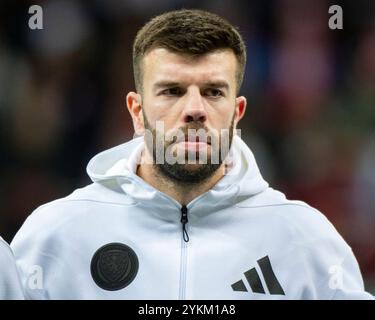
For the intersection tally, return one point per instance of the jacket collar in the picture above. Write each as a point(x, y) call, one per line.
point(119, 164)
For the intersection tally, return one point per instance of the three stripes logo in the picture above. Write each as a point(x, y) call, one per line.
point(255, 282)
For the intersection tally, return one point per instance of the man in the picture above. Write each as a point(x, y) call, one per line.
point(10, 286)
point(182, 212)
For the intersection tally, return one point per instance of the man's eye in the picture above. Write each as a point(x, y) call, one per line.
point(172, 92)
point(213, 92)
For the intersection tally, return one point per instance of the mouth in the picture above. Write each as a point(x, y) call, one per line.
point(194, 144)
point(194, 140)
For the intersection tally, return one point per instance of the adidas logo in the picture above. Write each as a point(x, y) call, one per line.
point(255, 282)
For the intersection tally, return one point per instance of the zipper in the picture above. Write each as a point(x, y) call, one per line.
point(184, 221)
point(184, 240)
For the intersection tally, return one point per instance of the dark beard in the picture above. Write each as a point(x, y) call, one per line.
point(179, 172)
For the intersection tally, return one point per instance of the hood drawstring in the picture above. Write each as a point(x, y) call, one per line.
point(184, 220)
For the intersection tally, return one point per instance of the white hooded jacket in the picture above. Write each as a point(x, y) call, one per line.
point(10, 284)
point(120, 238)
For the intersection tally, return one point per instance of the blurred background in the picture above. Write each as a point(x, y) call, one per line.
point(311, 101)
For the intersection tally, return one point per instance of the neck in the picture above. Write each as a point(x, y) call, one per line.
point(181, 192)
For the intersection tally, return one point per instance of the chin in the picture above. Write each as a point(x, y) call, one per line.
point(193, 167)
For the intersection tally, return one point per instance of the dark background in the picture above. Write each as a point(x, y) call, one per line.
point(311, 101)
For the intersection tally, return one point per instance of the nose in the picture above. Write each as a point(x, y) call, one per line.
point(194, 110)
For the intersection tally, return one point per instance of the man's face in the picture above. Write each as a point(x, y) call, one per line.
point(194, 101)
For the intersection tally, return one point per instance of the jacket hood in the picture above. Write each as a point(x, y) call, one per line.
point(115, 168)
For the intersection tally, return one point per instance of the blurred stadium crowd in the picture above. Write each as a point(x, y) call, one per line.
point(311, 101)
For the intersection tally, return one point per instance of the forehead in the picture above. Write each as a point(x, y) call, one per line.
point(162, 64)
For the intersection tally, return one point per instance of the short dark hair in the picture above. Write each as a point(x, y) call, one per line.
point(188, 31)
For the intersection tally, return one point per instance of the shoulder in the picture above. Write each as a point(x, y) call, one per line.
point(305, 224)
point(6, 258)
point(5, 252)
point(312, 243)
point(61, 215)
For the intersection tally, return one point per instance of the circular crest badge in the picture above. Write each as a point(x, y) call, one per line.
point(114, 266)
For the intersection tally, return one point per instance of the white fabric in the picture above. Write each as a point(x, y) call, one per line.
point(233, 225)
point(10, 285)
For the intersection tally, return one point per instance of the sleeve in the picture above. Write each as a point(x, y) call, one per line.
point(346, 281)
point(35, 246)
point(10, 284)
point(331, 266)
point(32, 259)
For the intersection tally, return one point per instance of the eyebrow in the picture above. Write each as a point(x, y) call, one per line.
point(168, 84)
point(218, 84)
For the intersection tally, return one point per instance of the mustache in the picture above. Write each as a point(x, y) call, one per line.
point(191, 133)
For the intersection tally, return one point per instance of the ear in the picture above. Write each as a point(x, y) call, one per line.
point(240, 109)
point(134, 104)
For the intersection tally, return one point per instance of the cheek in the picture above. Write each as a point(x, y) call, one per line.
point(222, 116)
point(153, 111)
point(157, 107)
point(160, 119)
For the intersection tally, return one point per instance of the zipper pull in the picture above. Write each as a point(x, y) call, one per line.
point(184, 220)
